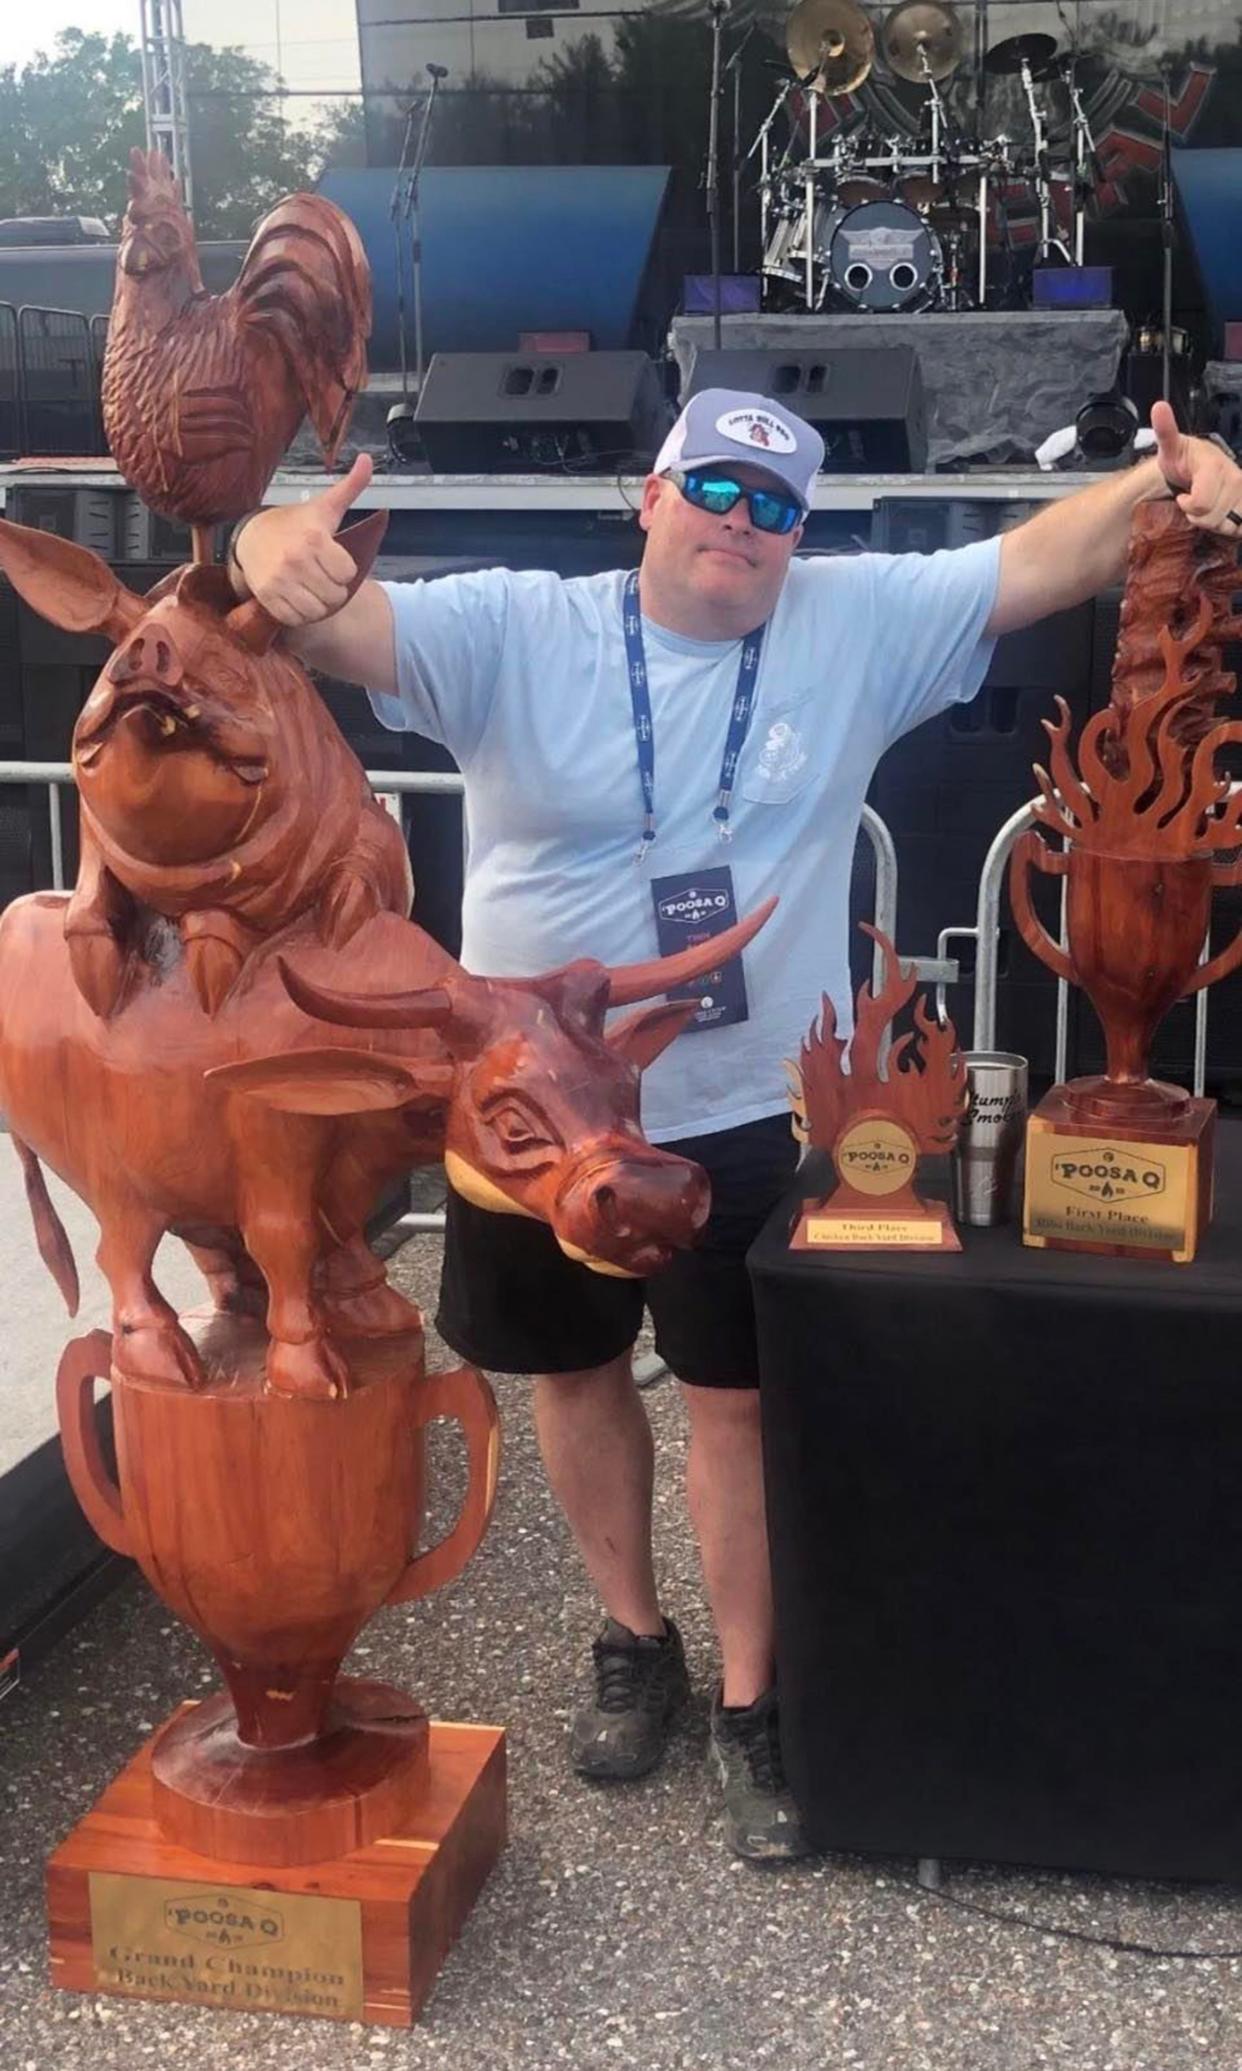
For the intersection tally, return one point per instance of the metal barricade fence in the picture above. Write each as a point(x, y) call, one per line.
point(12, 430)
point(389, 787)
point(985, 934)
point(59, 382)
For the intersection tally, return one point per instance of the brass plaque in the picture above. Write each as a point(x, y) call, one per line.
point(880, 1230)
point(228, 1945)
point(1101, 1190)
point(876, 1155)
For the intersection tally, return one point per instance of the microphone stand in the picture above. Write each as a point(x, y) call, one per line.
point(1166, 237)
point(717, 10)
point(404, 210)
point(412, 215)
point(394, 217)
point(732, 65)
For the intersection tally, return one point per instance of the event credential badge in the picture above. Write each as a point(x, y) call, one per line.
point(690, 909)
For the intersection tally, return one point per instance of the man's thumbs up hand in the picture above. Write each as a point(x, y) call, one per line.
point(290, 559)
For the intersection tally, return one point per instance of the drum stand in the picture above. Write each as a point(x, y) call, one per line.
point(1048, 244)
point(762, 145)
point(711, 175)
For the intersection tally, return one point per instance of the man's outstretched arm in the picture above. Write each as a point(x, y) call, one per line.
point(289, 558)
point(1077, 546)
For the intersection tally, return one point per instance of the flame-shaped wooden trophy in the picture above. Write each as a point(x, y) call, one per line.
point(878, 1118)
point(1122, 1163)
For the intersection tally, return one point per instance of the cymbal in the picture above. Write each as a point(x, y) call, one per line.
point(834, 39)
point(927, 26)
point(1038, 50)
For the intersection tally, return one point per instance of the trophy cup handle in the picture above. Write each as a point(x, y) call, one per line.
point(1029, 852)
point(461, 1392)
point(1218, 966)
point(83, 1362)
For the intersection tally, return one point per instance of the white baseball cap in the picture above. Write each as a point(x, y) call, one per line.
point(720, 425)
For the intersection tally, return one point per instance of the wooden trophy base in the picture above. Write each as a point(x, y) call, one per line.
point(362, 1938)
point(1138, 1187)
point(363, 1776)
point(859, 1224)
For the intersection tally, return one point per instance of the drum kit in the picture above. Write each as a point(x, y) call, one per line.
point(911, 221)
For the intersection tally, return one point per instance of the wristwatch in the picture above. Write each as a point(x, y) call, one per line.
point(231, 562)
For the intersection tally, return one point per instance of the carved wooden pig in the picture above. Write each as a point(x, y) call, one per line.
point(215, 787)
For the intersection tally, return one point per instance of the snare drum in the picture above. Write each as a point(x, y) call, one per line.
point(881, 256)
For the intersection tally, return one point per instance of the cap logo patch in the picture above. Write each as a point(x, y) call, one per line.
point(757, 428)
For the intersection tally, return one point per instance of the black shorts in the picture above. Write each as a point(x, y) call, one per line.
point(512, 1301)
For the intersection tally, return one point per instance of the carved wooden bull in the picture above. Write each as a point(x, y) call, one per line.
point(163, 1118)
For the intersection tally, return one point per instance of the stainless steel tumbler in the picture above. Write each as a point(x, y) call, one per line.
point(989, 1146)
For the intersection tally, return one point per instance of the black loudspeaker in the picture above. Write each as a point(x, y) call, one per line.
point(499, 412)
point(867, 406)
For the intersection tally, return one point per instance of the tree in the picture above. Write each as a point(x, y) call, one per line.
point(67, 122)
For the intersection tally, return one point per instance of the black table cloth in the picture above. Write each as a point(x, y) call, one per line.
point(1005, 1501)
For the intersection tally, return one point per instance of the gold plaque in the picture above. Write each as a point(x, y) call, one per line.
point(876, 1156)
point(870, 1230)
point(1097, 1190)
point(227, 1945)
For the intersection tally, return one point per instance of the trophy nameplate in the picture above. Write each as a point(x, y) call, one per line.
point(1122, 1163)
point(876, 1121)
point(1151, 1198)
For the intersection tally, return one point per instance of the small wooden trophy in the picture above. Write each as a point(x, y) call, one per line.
point(877, 1119)
point(1121, 1163)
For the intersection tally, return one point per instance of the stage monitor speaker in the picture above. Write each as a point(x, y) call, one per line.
point(867, 406)
point(579, 412)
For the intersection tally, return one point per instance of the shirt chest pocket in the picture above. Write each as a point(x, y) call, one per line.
point(779, 761)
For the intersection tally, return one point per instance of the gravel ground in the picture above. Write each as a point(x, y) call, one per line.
point(615, 1929)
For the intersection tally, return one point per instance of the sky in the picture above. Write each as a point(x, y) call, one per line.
point(314, 43)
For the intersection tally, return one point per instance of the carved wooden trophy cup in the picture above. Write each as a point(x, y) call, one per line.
point(877, 1119)
point(1121, 1162)
point(232, 1031)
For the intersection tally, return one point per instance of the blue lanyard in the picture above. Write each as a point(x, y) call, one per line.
point(644, 735)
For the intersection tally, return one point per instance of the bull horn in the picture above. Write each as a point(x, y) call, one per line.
point(427, 1008)
point(630, 982)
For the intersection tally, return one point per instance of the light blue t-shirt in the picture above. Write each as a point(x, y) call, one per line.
point(523, 678)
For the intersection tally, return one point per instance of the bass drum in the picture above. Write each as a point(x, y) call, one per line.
point(881, 256)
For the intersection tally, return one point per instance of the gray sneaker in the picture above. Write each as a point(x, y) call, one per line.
point(640, 1686)
point(762, 1822)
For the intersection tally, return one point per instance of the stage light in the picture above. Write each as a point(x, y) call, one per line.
point(1105, 430)
point(405, 442)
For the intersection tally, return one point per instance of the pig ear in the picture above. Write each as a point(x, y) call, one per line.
point(332, 1082)
point(253, 626)
point(66, 584)
point(363, 541)
point(641, 1037)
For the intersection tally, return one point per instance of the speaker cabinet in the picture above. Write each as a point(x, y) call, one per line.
point(581, 412)
point(867, 406)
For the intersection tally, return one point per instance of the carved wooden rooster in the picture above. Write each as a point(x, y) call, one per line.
point(202, 393)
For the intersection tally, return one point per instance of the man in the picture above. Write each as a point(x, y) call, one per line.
point(611, 731)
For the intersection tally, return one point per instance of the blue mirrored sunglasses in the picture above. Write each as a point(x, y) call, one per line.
point(717, 493)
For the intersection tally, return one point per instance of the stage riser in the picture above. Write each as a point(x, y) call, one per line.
point(997, 382)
